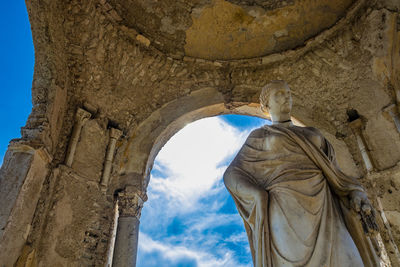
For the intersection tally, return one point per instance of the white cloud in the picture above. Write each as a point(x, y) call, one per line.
point(214, 219)
point(192, 160)
point(175, 253)
point(237, 238)
point(184, 214)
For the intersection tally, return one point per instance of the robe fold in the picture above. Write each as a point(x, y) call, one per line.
point(293, 199)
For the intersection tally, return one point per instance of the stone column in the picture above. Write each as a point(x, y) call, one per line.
point(81, 117)
point(115, 134)
point(392, 111)
point(130, 203)
point(357, 126)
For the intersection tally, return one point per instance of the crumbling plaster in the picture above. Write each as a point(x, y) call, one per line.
point(87, 55)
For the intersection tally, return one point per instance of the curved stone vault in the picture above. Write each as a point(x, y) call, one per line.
point(114, 80)
point(229, 30)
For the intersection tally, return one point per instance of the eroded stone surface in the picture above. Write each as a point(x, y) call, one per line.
point(132, 73)
point(227, 31)
point(76, 235)
point(387, 189)
point(266, 4)
point(220, 29)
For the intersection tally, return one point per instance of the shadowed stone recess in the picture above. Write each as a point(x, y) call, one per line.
point(266, 4)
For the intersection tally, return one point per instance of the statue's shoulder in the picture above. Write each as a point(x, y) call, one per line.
point(313, 130)
point(259, 132)
point(256, 138)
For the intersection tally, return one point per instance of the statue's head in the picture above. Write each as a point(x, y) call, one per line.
point(275, 97)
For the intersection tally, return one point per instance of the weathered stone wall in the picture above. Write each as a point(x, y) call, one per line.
point(51, 75)
point(73, 221)
point(88, 56)
point(21, 178)
point(387, 189)
point(78, 223)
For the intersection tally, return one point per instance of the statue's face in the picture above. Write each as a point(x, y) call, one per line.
point(280, 99)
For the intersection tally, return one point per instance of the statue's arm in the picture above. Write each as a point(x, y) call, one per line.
point(240, 183)
point(236, 179)
point(358, 198)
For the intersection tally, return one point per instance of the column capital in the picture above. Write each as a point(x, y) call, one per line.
point(82, 115)
point(130, 202)
point(356, 125)
point(115, 133)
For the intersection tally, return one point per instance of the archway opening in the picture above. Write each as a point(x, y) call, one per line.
point(190, 219)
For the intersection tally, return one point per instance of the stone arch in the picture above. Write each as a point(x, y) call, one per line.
point(144, 142)
point(86, 50)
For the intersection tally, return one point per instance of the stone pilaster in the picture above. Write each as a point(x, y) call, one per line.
point(81, 117)
point(115, 134)
point(357, 127)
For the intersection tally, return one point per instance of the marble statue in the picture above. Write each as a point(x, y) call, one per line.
point(298, 208)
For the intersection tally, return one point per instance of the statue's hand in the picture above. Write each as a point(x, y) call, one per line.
point(360, 203)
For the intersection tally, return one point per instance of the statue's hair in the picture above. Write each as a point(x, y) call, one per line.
point(266, 92)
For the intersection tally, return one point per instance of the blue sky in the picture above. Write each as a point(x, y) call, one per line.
point(16, 71)
point(190, 219)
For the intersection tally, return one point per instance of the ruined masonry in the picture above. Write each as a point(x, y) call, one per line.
point(115, 79)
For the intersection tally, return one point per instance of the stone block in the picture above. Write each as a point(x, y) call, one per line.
point(21, 179)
